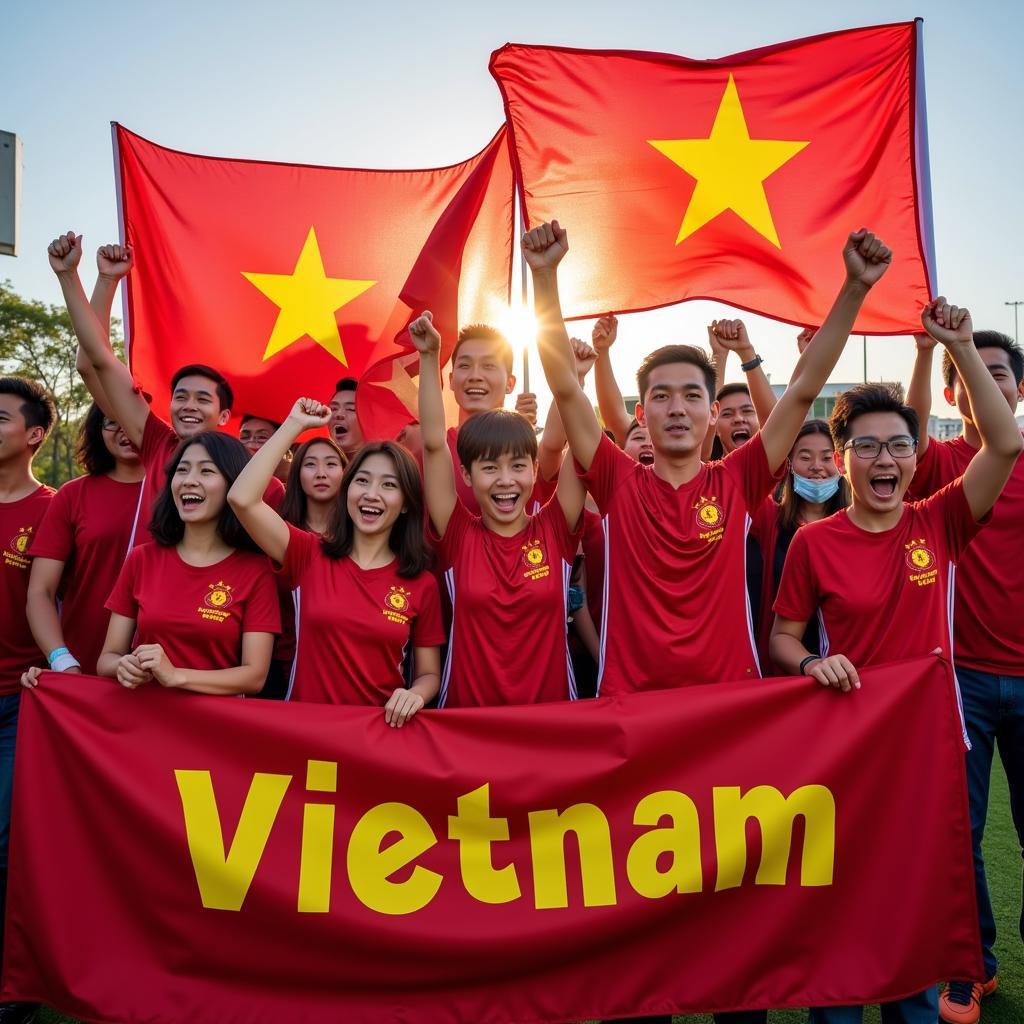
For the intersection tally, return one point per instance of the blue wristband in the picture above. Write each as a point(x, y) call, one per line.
point(55, 654)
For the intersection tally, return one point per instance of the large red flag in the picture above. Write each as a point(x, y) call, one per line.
point(287, 277)
point(735, 179)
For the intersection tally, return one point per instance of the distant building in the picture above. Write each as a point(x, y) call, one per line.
point(823, 405)
point(945, 428)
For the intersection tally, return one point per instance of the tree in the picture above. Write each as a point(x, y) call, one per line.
point(36, 340)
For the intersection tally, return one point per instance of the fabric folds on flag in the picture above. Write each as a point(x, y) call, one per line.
point(288, 277)
point(736, 179)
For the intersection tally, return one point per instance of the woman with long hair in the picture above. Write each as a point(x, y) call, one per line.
point(363, 595)
point(196, 609)
point(81, 545)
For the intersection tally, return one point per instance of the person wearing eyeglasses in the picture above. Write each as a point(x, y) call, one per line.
point(81, 545)
point(896, 603)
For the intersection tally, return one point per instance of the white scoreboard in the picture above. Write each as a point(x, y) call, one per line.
point(10, 192)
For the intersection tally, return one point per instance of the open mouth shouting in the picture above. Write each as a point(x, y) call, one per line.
point(646, 457)
point(883, 485)
point(741, 435)
point(505, 502)
point(190, 501)
point(370, 515)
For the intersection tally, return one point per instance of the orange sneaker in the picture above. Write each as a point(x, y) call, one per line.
point(960, 1003)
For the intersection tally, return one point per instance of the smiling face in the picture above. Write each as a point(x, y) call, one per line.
point(375, 499)
point(321, 472)
point(195, 406)
point(343, 425)
point(879, 483)
point(811, 457)
point(502, 485)
point(479, 378)
point(677, 409)
point(115, 440)
point(638, 445)
point(737, 420)
point(198, 487)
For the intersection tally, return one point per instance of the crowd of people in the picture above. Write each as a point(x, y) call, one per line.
point(717, 535)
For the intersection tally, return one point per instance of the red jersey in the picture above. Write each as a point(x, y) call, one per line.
point(593, 562)
point(354, 627)
point(764, 528)
point(159, 443)
point(880, 596)
point(19, 521)
point(87, 527)
point(987, 631)
point(508, 641)
point(196, 613)
point(675, 607)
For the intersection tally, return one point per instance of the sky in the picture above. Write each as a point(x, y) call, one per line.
point(402, 84)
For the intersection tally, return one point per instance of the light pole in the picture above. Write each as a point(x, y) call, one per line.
point(1016, 305)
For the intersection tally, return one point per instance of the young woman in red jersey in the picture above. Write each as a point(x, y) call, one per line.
point(196, 609)
point(507, 572)
point(363, 596)
point(87, 531)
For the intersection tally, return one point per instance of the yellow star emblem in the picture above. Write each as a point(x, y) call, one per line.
point(308, 300)
point(730, 168)
point(401, 385)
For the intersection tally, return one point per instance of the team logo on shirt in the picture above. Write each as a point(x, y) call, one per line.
point(710, 518)
point(14, 554)
point(535, 561)
point(216, 602)
point(396, 605)
point(921, 561)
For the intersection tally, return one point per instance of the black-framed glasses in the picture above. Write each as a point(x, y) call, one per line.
point(901, 447)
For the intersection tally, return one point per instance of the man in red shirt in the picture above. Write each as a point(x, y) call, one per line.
point(201, 397)
point(896, 603)
point(27, 414)
point(988, 645)
point(677, 609)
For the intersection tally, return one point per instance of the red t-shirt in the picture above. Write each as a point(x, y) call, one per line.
point(593, 561)
point(354, 626)
point(880, 596)
point(87, 527)
point(676, 609)
point(764, 528)
point(508, 642)
point(196, 613)
point(19, 521)
point(159, 443)
point(988, 624)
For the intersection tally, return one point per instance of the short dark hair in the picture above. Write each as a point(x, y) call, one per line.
point(295, 504)
point(407, 540)
point(866, 398)
point(737, 388)
point(346, 384)
point(225, 395)
point(790, 501)
point(256, 416)
point(37, 405)
point(676, 354)
point(229, 455)
point(91, 453)
point(989, 339)
point(485, 332)
point(634, 424)
point(498, 432)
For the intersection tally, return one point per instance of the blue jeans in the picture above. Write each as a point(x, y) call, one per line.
point(994, 713)
point(8, 730)
point(920, 1009)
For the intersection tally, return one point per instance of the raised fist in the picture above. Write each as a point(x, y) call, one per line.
point(803, 339)
point(423, 333)
point(729, 334)
point(309, 413)
point(544, 246)
point(605, 332)
point(866, 257)
point(526, 405)
point(585, 357)
point(114, 261)
point(65, 252)
point(949, 325)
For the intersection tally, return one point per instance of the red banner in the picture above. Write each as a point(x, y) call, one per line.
point(287, 277)
point(758, 844)
point(735, 179)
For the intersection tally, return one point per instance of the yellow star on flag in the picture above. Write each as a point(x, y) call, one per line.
point(730, 168)
point(401, 385)
point(308, 300)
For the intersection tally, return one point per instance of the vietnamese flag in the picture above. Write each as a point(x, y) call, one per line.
point(734, 179)
point(288, 277)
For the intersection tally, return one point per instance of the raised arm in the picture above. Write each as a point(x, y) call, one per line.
point(732, 337)
point(919, 395)
point(866, 258)
point(1001, 442)
point(609, 397)
point(438, 471)
point(123, 402)
point(261, 522)
point(543, 248)
point(552, 442)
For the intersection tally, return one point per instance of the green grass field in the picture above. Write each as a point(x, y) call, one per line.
point(1002, 858)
